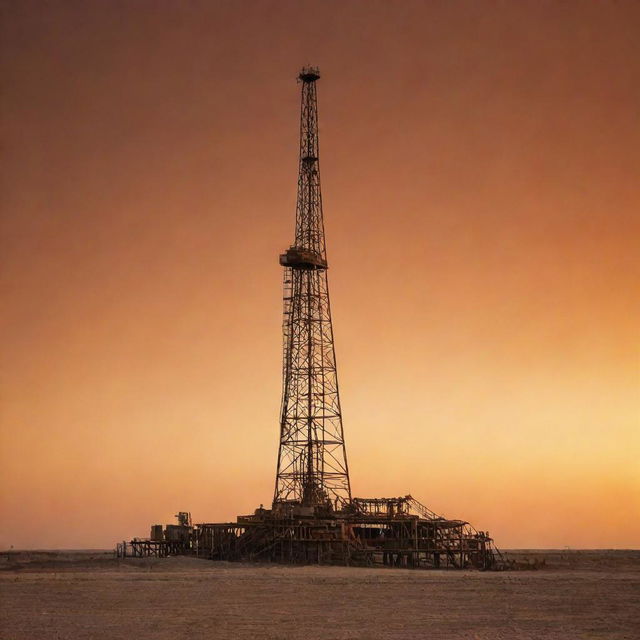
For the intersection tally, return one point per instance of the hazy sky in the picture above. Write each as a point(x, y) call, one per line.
point(480, 166)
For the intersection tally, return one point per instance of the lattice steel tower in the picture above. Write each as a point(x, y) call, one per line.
point(312, 461)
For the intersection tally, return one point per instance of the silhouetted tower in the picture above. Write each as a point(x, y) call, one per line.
point(312, 461)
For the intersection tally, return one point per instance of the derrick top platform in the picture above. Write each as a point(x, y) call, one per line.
point(309, 74)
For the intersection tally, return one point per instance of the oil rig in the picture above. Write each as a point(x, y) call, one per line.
point(313, 517)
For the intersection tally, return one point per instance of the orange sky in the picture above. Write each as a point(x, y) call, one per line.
point(480, 167)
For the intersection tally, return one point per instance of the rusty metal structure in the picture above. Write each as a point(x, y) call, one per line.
point(313, 517)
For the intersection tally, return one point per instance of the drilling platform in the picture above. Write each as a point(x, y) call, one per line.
point(313, 517)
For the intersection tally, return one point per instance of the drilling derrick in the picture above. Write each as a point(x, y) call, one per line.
point(314, 518)
point(312, 462)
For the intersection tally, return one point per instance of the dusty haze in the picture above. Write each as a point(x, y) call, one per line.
point(480, 167)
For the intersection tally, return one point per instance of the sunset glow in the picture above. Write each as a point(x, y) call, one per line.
point(480, 183)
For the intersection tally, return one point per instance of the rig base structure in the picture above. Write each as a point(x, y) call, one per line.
point(394, 532)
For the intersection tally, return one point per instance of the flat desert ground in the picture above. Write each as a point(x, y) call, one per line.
point(90, 594)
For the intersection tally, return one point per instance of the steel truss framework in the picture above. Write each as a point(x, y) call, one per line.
point(312, 463)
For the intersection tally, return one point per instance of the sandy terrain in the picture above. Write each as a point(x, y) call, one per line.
point(79, 595)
